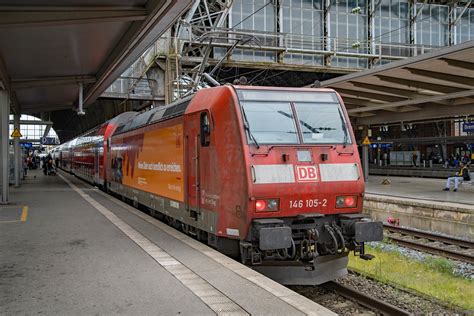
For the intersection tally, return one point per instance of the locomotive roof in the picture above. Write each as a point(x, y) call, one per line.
point(155, 115)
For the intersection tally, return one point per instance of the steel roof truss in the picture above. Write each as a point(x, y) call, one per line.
point(429, 111)
point(370, 95)
point(395, 91)
point(420, 84)
point(356, 103)
point(124, 49)
point(458, 63)
point(432, 99)
point(469, 81)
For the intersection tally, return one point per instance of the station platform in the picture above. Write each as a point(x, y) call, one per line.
point(437, 171)
point(421, 189)
point(421, 203)
point(69, 248)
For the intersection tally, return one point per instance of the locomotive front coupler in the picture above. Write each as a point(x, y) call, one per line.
point(358, 230)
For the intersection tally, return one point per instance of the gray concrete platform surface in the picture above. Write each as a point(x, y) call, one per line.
point(421, 189)
point(422, 204)
point(68, 248)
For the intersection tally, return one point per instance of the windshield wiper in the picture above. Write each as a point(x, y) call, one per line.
point(344, 128)
point(311, 128)
point(247, 128)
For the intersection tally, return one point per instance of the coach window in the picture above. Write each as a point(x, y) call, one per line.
point(205, 129)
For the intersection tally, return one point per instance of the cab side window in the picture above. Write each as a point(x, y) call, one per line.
point(205, 129)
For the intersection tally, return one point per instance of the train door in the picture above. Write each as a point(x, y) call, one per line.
point(107, 164)
point(197, 138)
point(71, 160)
point(96, 165)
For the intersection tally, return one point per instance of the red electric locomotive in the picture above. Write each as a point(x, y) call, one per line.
point(270, 175)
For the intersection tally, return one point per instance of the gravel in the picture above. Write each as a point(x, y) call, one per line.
point(411, 302)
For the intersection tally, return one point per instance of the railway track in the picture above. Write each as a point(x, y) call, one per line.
point(369, 302)
point(440, 245)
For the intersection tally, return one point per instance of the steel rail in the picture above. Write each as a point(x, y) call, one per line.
point(365, 300)
point(433, 249)
point(430, 236)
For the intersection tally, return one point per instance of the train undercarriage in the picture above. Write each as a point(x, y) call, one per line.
point(308, 249)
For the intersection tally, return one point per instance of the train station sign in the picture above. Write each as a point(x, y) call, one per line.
point(468, 127)
point(49, 141)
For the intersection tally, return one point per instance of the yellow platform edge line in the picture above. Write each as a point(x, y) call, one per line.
point(24, 213)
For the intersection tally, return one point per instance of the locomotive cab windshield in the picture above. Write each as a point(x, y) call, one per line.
point(289, 118)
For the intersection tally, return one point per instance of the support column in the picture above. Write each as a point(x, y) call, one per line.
point(4, 140)
point(17, 153)
point(365, 161)
point(365, 152)
point(444, 151)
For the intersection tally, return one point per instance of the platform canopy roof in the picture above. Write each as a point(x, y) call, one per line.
point(439, 84)
point(49, 47)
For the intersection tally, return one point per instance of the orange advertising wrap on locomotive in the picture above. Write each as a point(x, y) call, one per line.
point(151, 159)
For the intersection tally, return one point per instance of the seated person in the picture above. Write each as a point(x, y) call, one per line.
point(462, 175)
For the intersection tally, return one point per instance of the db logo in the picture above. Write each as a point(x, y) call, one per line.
point(306, 173)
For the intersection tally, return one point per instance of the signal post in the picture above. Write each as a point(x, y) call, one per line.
point(16, 147)
point(365, 157)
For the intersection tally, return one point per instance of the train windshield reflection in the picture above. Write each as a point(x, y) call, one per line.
point(322, 123)
point(270, 117)
point(270, 123)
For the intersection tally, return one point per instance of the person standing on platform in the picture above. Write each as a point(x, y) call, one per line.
point(462, 175)
point(25, 168)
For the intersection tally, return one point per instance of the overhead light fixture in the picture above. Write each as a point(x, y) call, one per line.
point(80, 109)
point(356, 44)
point(356, 10)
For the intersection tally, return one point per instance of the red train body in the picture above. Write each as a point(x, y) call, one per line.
point(271, 175)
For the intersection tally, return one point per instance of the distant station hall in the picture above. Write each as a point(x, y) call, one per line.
point(236, 157)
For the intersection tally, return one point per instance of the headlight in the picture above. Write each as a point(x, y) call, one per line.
point(267, 205)
point(349, 201)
